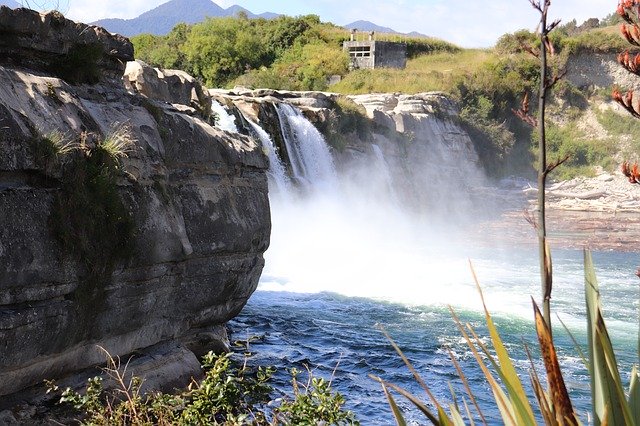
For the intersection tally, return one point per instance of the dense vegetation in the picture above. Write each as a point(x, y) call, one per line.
point(231, 393)
point(283, 53)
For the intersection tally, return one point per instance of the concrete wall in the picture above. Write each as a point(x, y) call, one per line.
point(376, 54)
point(390, 55)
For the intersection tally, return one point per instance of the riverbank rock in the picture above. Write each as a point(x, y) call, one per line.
point(607, 192)
point(196, 195)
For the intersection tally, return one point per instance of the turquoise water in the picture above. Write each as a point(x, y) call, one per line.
point(334, 332)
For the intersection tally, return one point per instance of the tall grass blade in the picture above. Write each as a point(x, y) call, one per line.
point(406, 361)
point(560, 402)
point(523, 412)
point(609, 403)
point(465, 382)
point(618, 399)
point(455, 416)
point(454, 397)
point(466, 409)
point(397, 414)
point(504, 405)
point(576, 345)
point(415, 401)
point(634, 394)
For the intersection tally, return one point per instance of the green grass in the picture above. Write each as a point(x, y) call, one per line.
point(432, 72)
point(49, 148)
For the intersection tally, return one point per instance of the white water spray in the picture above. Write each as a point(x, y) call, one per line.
point(345, 234)
point(224, 120)
point(278, 179)
point(309, 154)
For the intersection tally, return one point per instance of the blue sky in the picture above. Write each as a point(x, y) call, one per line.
point(464, 22)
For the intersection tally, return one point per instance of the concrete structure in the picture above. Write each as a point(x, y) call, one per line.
point(370, 53)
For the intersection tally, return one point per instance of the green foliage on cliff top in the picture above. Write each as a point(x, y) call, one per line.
point(284, 53)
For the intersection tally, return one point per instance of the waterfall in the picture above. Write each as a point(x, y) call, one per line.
point(311, 161)
point(385, 174)
point(224, 120)
point(277, 174)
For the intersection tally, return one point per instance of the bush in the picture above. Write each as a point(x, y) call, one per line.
point(229, 394)
point(582, 151)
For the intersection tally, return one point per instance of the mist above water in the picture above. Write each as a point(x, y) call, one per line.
point(350, 231)
point(378, 240)
point(393, 230)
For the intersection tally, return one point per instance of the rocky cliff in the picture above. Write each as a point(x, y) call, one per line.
point(155, 269)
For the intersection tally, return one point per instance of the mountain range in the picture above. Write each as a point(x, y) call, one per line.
point(11, 3)
point(162, 19)
point(370, 26)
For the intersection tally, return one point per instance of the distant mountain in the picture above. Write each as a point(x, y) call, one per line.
point(162, 19)
point(11, 3)
point(269, 15)
point(370, 26)
point(235, 10)
point(416, 34)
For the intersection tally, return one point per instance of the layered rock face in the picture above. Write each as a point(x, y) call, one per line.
point(197, 197)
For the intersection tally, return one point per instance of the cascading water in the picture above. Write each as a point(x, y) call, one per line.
point(278, 178)
point(224, 120)
point(343, 258)
point(311, 160)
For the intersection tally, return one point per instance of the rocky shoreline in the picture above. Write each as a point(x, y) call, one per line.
point(600, 213)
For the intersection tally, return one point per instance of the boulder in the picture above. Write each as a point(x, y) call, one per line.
point(76, 52)
point(171, 86)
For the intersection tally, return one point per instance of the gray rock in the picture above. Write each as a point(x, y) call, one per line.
point(197, 196)
point(44, 41)
point(171, 86)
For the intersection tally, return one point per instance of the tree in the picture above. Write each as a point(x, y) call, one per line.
point(221, 49)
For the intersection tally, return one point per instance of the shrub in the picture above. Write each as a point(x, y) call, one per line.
point(229, 394)
point(88, 217)
point(583, 152)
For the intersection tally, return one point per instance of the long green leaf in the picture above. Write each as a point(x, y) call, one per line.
point(576, 345)
point(609, 403)
point(455, 416)
point(465, 382)
point(523, 411)
point(466, 409)
point(415, 401)
point(634, 394)
point(504, 404)
point(397, 414)
point(414, 372)
point(618, 398)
